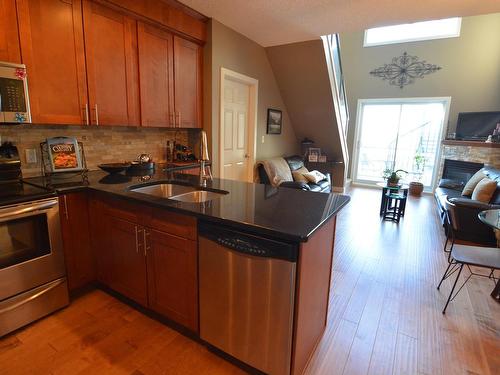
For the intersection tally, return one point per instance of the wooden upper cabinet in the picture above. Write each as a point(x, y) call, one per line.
point(112, 67)
point(9, 36)
point(187, 83)
point(51, 36)
point(156, 64)
point(173, 16)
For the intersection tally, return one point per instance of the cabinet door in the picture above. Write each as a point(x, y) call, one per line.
point(128, 260)
point(99, 238)
point(156, 67)
point(51, 33)
point(187, 87)
point(112, 72)
point(80, 265)
point(9, 37)
point(173, 277)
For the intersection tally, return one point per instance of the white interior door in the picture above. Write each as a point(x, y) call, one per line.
point(234, 129)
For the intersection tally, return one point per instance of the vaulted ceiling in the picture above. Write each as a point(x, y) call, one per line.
point(276, 22)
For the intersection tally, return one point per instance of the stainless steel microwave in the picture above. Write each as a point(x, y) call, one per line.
point(14, 99)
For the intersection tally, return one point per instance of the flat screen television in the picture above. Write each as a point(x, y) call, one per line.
point(476, 125)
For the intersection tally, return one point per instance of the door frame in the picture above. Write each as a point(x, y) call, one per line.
point(357, 130)
point(253, 85)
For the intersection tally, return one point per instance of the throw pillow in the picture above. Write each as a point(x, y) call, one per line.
point(471, 184)
point(298, 175)
point(484, 190)
point(314, 176)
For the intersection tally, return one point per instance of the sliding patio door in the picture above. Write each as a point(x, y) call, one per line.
point(399, 134)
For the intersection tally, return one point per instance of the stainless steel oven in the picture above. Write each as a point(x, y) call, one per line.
point(32, 271)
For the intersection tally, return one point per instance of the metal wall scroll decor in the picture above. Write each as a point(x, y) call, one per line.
point(404, 69)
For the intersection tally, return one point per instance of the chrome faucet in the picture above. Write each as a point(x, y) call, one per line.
point(204, 176)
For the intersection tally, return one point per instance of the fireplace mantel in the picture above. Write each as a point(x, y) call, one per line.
point(454, 142)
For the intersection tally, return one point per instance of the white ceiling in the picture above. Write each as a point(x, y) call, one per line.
point(275, 22)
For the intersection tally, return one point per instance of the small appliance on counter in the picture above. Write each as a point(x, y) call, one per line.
point(14, 101)
point(10, 163)
point(143, 162)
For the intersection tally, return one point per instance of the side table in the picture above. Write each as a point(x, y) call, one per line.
point(392, 189)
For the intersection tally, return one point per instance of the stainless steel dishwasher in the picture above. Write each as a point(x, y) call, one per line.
point(247, 290)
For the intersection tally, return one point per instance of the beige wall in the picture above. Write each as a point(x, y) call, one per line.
point(302, 75)
point(102, 144)
point(470, 72)
point(229, 49)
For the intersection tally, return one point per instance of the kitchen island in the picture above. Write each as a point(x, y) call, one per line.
point(150, 250)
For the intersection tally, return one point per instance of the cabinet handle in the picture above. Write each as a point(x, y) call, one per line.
point(66, 207)
point(96, 114)
point(86, 110)
point(146, 247)
point(172, 120)
point(136, 240)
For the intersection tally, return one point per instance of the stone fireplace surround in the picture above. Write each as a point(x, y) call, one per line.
point(476, 152)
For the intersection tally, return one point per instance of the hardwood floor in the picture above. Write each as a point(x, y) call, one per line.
point(385, 312)
point(385, 315)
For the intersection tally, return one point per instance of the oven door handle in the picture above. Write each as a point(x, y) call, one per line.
point(8, 213)
point(24, 301)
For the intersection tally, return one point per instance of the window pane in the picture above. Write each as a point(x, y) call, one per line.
point(419, 136)
point(379, 129)
point(445, 28)
point(401, 135)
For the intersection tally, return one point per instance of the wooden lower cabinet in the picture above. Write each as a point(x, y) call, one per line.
point(147, 255)
point(127, 261)
point(99, 237)
point(172, 277)
point(80, 262)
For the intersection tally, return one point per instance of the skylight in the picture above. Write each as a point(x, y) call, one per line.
point(411, 32)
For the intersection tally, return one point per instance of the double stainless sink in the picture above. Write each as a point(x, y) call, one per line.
point(178, 192)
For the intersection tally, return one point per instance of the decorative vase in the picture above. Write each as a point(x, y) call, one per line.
point(416, 188)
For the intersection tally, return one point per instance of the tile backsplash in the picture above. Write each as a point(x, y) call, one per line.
point(101, 144)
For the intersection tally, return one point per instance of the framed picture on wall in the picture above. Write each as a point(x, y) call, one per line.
point(274, 121)
point(314, 154)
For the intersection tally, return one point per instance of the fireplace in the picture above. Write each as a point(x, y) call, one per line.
point(470, 156)
point(460, 170)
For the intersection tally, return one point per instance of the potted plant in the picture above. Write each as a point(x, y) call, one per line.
point(416, 187)
point(393, 177)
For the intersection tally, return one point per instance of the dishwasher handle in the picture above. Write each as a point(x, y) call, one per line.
point(248, 244)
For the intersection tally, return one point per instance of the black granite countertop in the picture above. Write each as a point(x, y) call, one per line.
point(281, 213)
point(15, 193)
